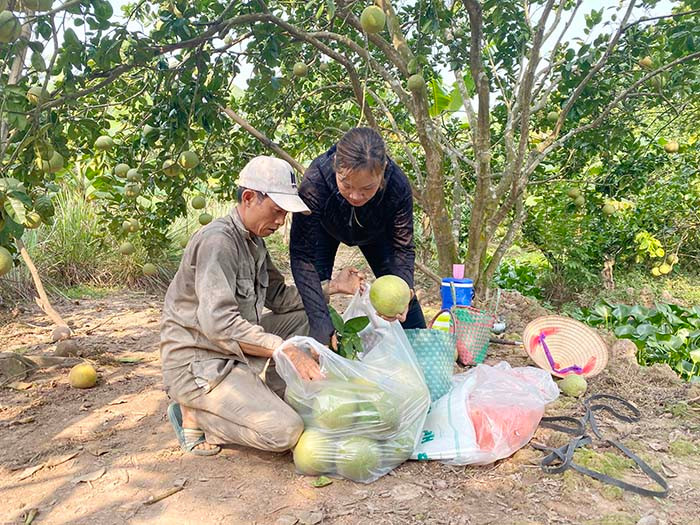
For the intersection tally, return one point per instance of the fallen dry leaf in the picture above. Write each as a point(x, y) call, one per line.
point(20, 385)
point(91, 476)
point(30, 471)
point(61, 459)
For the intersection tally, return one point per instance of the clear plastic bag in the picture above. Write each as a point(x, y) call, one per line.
point(365, 417)
point(490, 412)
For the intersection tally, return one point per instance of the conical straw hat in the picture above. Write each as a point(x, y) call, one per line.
point(570, 343)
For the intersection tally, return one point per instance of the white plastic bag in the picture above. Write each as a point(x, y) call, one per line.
point(365, 417)
point(490, 412)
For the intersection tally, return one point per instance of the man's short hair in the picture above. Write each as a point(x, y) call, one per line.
point(239, 194)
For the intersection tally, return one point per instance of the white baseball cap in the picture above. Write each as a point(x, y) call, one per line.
point(275, 178)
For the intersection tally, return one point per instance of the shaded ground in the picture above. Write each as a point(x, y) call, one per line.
point(116, 438)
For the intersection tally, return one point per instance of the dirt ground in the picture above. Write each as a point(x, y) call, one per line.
point(102, 455)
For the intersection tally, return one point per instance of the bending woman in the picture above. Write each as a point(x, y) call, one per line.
point(360, 197)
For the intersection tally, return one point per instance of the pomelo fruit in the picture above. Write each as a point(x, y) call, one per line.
point(126, 248)
point(44, 149)
point(413, 66)
point(82, 376)
point(579, 201)
point(132, 190)
point(149, 269)
point(198, 202)
point(10, 27)
point(380, 416)
point(54, 164)
point(608, 209)
point(390, 295)
point(133, 175)
point(134, 225)
point(171, 168)
point(36, 95)
point(372, 19)
point(5, 261)
point(300, 69)
point(183, 242)
point(573, 192)
point(357, 458)
point(32, 220)
point(104, 143)
point(553, 116)
point(573, 385)
point(672, 259)
point(188, 160)
point(655, 271)
point(334, 407)
point(37, 5)
point(121, 169)
point(646, 62)
point(671, 147)
point(314, 453)
point(324, 67)
point(205, 218)
point(416, 82)
point(665, 268)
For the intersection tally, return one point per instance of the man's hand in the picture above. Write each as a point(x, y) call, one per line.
point(402, 316)
point(348, 281)
point(305, 364)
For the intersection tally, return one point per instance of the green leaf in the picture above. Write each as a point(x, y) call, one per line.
point(15, 209)
point(337, 321)
point(646, 330)
point(356, 325)
point(321, 481)
point(625, 330)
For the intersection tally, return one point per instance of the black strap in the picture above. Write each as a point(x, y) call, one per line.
point(561, 459)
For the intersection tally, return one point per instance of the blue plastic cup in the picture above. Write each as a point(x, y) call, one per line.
point(456, 291)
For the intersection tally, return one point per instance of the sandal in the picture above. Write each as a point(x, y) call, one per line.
point(188, 438)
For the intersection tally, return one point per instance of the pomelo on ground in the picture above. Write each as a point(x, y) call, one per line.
point(127, 248)
point(121, 169)
point(358, 458)
point(5, 261)
point(104, 143)
point(390, 295)
point(334, 407)
point(198, 202)
point(372, 19)
point(314, 453)
point(149, 269)
point(573, 385)
point(188, 160)
point(82, 376)
point(416, 82)
point(300, 69)
point(205, 218)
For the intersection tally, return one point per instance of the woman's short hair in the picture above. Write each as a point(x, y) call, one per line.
point(360, 149)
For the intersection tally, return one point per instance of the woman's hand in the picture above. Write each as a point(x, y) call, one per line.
point(348, 281)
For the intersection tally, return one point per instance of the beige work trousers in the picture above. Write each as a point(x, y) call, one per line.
point(244, 409)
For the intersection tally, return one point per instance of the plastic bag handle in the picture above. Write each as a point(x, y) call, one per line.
point(452, 318)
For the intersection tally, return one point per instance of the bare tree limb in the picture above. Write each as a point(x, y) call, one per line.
point(268, 143)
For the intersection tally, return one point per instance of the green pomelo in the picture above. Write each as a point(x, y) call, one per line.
point(665, 268)
point(300, 69)
point(553, 116)
point(171, 168)
point(149, 269)
point(358, 458)
point(127, 248)
point(198, 202)
point(133, 175)
point(134, 225)
point(120, 170)
point(573, 385)
point(379, 416)
point(390, 295)
point(205, 218)
point(314, 453)
point(608, 209)
point(372, 19)
point(573, 192)
point(671, 147)
point(32, 220)
point(579, 201)
point(416, 82)
point(10, 27)
point(5, 261)
point(334, 407)
point(104, 143)
point(188, 160)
